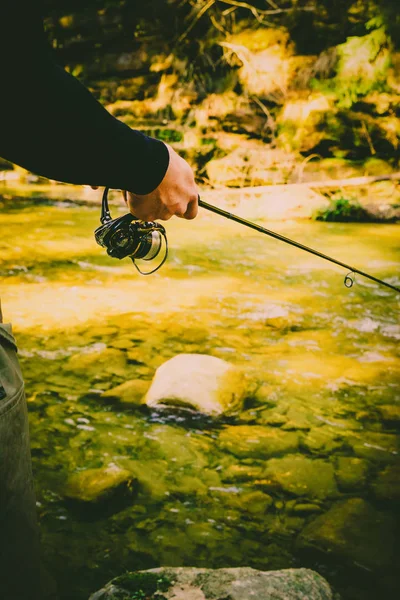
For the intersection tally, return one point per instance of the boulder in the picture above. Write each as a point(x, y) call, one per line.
point(186, 583)
point(130, 392)
point(355, 530)
point(204, 383)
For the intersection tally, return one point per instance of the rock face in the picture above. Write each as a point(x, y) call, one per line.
point(185, 583)
point(201, 382)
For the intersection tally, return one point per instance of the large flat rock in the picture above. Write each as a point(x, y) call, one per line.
point(186, 583)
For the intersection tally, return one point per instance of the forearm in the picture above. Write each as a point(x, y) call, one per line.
point(53, 126)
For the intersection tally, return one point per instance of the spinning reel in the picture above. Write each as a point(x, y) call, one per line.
point(128, 236)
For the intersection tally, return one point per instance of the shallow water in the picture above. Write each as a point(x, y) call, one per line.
point(327, 358)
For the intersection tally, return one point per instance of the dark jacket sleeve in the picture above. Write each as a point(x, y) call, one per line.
point(50, 123)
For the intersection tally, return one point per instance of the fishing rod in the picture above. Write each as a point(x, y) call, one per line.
point(129, 236)
point(348, 280)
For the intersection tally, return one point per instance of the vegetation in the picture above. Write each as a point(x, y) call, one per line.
point(343, 210)
point(264, 82)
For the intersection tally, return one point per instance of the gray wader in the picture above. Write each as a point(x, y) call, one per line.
point(21, 574)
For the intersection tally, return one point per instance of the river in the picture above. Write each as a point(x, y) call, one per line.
point(326, 357)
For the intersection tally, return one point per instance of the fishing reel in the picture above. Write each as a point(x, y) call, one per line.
point(128, 236)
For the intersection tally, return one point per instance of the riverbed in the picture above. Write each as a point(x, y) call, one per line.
point(326, 359)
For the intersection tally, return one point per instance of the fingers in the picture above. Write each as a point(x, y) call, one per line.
point(192, 209)
point(151, 208)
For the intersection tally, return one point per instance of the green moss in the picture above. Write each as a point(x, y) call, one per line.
point(344, 211)
point(362, 66)
point(144, 586)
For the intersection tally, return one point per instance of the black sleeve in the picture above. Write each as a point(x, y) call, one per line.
point(50, 123)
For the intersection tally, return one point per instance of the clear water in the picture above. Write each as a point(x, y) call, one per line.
point(327, 356)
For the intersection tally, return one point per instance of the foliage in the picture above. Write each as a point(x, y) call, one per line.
point(344, 211)
point(362, 65)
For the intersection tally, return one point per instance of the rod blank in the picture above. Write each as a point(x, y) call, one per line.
point(287, 240)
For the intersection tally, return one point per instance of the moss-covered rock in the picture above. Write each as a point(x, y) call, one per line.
point(98, 485)
point(390, 412)
point(129, 393)
point(98, 360)
point(351, 472)
point(204, 383)
point(387, 484)
point(301, 476)
point(186, 583)
point(246, 441)
point(354, 530)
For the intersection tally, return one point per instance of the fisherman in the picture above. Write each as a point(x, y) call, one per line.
point(52, 126)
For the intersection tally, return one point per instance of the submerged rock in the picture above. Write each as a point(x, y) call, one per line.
point(201, 382)
point(351, 472)
point(130, 392)
point(355, 530)
point(387, 484)
point(390, 412)
point(246, 441)
point(186, 583)
point(98, 360)
point(98, 485)
point(296, 474)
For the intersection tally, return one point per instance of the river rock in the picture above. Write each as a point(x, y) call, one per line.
point(98, 485)
point(200, 382)
point(130, 392)
point(390, 412)
point(351, 472)
point(355, 530)
point(302, 476)
point(256, 441)
point(186, 583)
point(387, 484)
point(96, 361)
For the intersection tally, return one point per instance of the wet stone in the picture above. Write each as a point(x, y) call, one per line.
point(271, 417)
point(201, 382)
point(255, 503)
point(390, 412)
point(135, 355)
point(246, 441)
point(108, 361)
point(387, 484)
point(379, 447)
point(306, 509)
point(129, 393)
point(122, 343)
point(296, 474)
point(355, 530)
point(322, 440)
point(351, 472)
point(98, 485)
point(298, 417)
point(238, 473)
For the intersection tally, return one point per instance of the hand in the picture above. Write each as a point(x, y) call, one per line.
point(176, 195)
